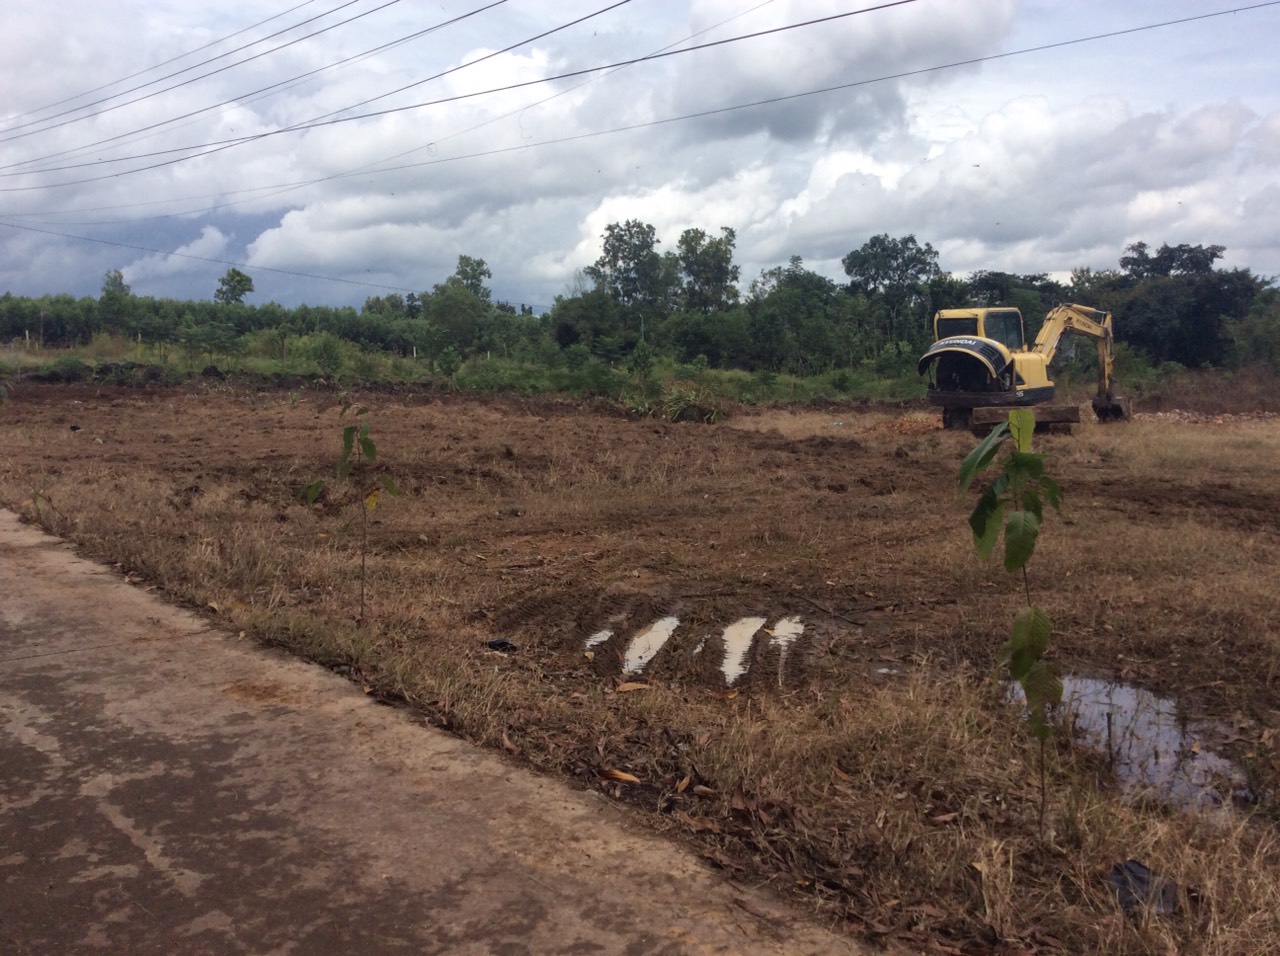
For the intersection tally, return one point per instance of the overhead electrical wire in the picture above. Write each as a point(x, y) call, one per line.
point(370, 167)
point(194, 79)
point(161, 65)
point(244, 97)
point(701, 114)
point(331, 119)
point(681, 118)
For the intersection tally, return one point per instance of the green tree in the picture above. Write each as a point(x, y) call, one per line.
point(457, 311)
point(233, 287)
point(897, 272)
point(706, 266)
point(1176, 307)
point(392, 304)
point(634, 274)
point(794, 317)
point(585, 319)
point(1180, 260)
point(115, 305)
point(472, 273)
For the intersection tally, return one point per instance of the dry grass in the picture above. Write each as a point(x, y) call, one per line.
point(876, 773)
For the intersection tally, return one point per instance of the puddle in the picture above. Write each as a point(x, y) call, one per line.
point(785, 633)
point(1154, 750)
point(646, 645)
point(737, 638)
point(737, 641)
point(598, 638)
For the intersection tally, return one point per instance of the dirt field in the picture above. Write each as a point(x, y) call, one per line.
point(857, 749)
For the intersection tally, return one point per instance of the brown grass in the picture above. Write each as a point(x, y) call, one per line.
point(904, 801)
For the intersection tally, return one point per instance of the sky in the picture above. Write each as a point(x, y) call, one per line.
point(161, 138)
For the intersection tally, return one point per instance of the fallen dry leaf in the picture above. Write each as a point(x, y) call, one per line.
point(629, 686)
point(507, 745)
point(708, 825)
point(621, 776)
point(683, 785)
point(702, 791)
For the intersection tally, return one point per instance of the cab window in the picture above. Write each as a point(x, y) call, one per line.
point(963, 326)
point(1005, 328)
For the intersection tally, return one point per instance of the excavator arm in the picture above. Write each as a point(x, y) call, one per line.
point(1096, 325)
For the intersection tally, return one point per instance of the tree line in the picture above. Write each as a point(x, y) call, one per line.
point(1174, 305)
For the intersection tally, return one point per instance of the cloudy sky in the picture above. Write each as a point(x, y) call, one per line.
point(431, 128)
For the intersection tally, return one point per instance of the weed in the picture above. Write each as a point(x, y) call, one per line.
point(357, 447)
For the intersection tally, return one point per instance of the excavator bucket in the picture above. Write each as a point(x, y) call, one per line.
point(1113, 409)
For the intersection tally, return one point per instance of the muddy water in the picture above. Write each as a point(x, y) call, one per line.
point(647, 644)
point(1151, 746)
point(737, 641)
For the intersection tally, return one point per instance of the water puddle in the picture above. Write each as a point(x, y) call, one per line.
point(737, 641)
point(785, 633)
point(737, 638)
point(1153, 749)
point(646, 645)
point(598, 638)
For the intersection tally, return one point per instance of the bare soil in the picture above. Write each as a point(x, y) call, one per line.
point(876, 770)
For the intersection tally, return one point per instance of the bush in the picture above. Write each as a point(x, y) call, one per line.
point(64, 370)
point(325, 350)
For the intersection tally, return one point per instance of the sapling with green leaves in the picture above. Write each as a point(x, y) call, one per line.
point(1013, 505)
point(358, 448)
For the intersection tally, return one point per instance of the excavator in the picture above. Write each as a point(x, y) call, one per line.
point(980, 364)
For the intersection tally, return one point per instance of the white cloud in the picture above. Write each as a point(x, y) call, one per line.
point(211, 244)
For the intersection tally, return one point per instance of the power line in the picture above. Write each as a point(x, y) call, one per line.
point(220, 145)
point(702, 114)
point(222, 262)
point(174, 59)
point(235, 99)
point(280, 188)
point(195, 79)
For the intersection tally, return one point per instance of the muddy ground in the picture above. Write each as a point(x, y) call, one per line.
point(546, 523)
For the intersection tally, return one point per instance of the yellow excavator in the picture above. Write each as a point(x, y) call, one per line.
point(980, 363)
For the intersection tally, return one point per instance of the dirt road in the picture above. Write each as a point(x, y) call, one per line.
point(167, 788)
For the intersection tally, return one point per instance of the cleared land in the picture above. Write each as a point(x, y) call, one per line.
point(870, 763)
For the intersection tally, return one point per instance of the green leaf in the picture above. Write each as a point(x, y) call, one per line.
point(1028, 463)
point(389, 485)
point(314, 490)
point(1022, 425)
point(368, 448)
point(1042, 688)
point(985, 522)
point(977, 460)
point(1031, 502)
point(1028, 641)
point(1052, 492)
point(348, 442)
point(1020, 533)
